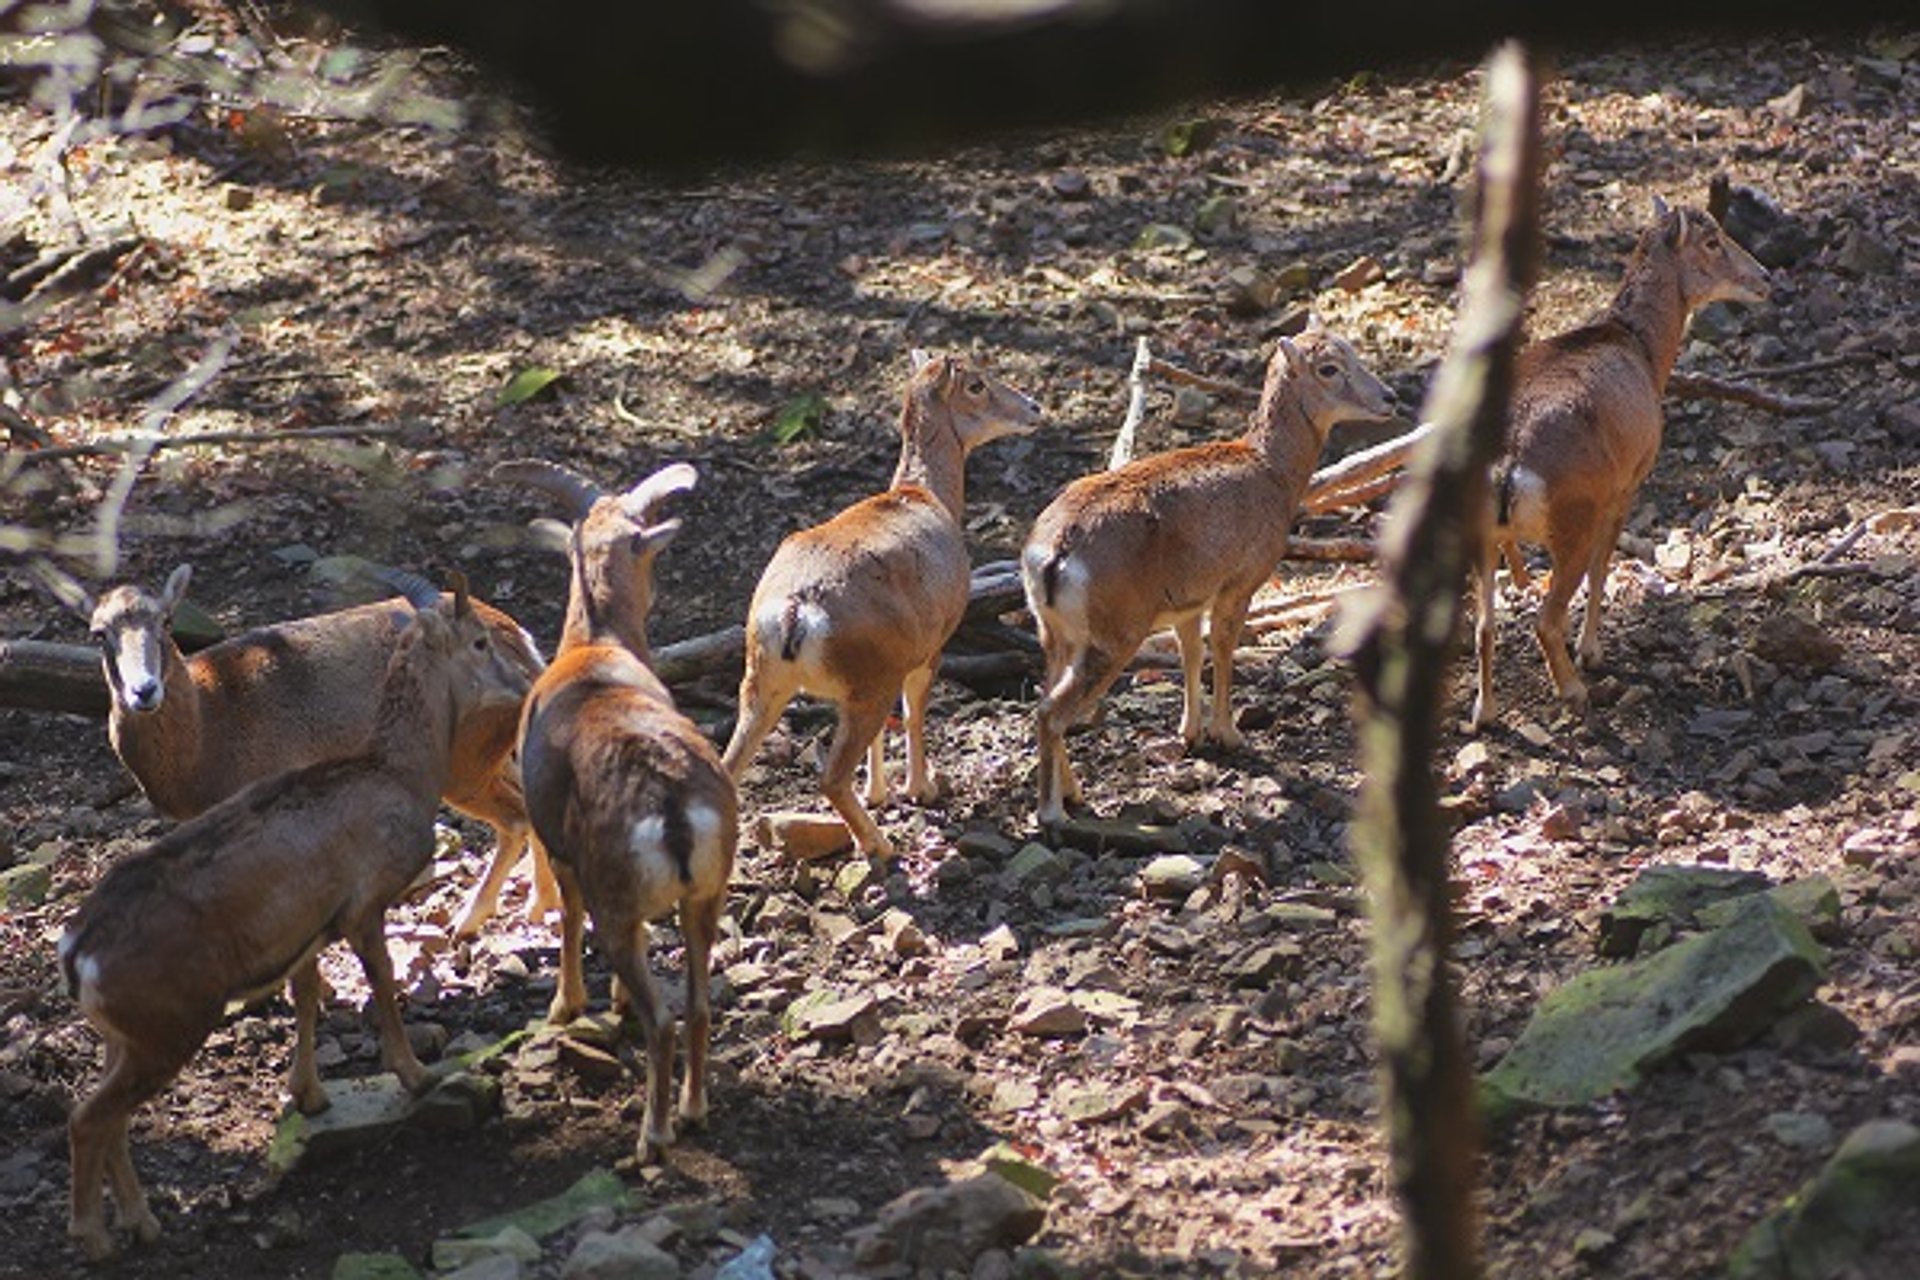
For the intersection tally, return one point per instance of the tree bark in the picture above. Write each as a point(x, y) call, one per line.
point(1400, 639)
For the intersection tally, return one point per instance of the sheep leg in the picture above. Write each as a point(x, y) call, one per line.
point(1572, 530)
point(396, 1053)
point(876, 790)
point(626, 951)
point(509, 844)
point(916, 690)
point(1589, 652)
point(97, 1144)
point(570, 997)
point(761, 701)
point(860, 720)
point(1223, 633)
point(700, 922)
point(303, 1081)
point(1192, 655)
point(1079, 688)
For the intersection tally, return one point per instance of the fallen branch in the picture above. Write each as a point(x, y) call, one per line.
point(1213, 386)
point(154, 444)
point(1341, 550)
point(1326, 489)
point(1813, 366)
point(1828, 564)
point(1693, 386)
point(55, 268)
point(36, 675)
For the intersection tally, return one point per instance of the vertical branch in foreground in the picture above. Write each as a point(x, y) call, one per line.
point(1400, 640)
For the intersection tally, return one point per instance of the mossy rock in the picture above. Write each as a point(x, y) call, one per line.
point(1602, 1031)
point(1859, 1216)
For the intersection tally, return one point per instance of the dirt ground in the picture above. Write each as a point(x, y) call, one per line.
point(370, 274)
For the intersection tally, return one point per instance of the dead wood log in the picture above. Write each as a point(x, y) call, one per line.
point(1400, 637)
point(36, 675)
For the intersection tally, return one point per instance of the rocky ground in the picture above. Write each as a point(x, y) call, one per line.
point(1183, 1045)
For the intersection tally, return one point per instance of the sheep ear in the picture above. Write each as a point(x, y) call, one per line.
point(1292, 352)
point(1314, 324)
point(918, 359)
point(1660, 210)
point(176, 589)
point(653, 539)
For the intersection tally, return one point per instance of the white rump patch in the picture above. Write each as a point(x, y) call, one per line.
point(86, 974)
point(649, 838)
point(704, 821)
point(1527, 505)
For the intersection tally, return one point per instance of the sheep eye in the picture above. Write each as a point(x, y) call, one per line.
point(976, 387)
point(1328, 371)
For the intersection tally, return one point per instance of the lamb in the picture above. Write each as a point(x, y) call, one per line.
point(632, 803)
point(856, 610)
point(1169, 539)
point(1584, 428)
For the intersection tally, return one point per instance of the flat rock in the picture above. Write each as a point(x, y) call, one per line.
point(627, 1254)
point(827, 1015)
point(1602, 1031)
point(1670, 895)
point(1801, 1130)
point(1046, 1012)
point(597, 1189)
point(1036, 864)
point(1854, 1218)
point(494, 1266)
point(902, 933)
point(802, 837)
point(26, 885)
point(946, 1228)
point(373, 1266)
point(1812, 898)
point(1097, 1103)
point(1006, 1160)
point(1793, 640)
point(462, 1251)
point(1172, 875)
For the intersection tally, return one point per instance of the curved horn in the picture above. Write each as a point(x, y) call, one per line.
point(420, 593)
point(640, 500)
point(462, 598)
point(575, 490)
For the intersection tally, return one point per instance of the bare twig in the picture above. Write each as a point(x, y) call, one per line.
point(1400, 637)
point(1693, 386)
point(1813, 366)
point(1213, 386)
point(1136, 407)
point(154, 444)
